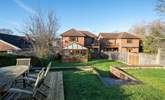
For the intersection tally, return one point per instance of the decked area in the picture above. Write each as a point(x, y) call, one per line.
point(56, 91)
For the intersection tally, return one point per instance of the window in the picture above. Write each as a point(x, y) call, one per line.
point(129, 40)
point(129, 49)
point(73, 39)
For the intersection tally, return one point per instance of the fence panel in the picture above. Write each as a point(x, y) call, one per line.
point(139, 58)
point(123, 57)
point(147, 59)
point(161, 56)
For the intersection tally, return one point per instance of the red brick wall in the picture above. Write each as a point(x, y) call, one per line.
point(66, 41)
point(123, 42)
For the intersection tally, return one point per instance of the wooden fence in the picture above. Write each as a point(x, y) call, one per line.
point(133, 58)
point(139, 58)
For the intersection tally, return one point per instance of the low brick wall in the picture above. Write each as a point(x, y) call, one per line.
point(121, 74)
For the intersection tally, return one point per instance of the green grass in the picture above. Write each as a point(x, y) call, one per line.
point(102, 62)
point(153, 83)
point(101, 65)
point(86, 86)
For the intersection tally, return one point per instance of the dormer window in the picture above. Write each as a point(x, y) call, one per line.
point(129, 40)
point(73, 39)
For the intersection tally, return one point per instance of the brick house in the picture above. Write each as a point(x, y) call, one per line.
point(122, 42)
point(84, 38)
point(75, 38)
point(10, 43)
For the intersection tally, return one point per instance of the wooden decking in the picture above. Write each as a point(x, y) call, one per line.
point(56, 90)
point(9, 74)
point(54, 80)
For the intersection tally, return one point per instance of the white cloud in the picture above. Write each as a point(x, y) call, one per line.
point(25, 7)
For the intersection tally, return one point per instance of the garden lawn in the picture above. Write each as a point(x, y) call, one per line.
point(86, 86)
point(153, 87)
point(102, 65)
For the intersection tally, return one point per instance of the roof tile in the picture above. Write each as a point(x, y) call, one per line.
point(74, 32)
point(122, 35)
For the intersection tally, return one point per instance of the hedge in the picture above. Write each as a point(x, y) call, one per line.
point(10, 59)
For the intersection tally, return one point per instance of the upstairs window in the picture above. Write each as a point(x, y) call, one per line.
point(129, 40)
point(73, 39)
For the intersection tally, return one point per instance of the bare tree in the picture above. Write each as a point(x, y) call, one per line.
point(153, 35)
point(156, 36)
point(160, 6)
point(43, 32)
point(139, 29)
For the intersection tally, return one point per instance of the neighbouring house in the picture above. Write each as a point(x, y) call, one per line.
point(78, 43)
point(13, 43)
point(121, 42)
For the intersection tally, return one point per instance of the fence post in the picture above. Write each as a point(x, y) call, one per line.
point(158, 56)
point(128, 55)
point(139, 58)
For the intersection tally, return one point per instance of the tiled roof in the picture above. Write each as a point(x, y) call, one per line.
point(18, 41)
point(126, 35)
point(89, 34)
point(74, 32)
point(110, 35)
point(123, 35)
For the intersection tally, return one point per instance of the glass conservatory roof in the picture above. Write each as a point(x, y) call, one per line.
point(75, 46)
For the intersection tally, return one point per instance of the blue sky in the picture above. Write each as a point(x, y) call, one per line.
point(92, 15)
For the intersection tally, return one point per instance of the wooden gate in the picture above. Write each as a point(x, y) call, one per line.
point(133, 58)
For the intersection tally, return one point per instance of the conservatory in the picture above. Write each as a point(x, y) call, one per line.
point(75, 53)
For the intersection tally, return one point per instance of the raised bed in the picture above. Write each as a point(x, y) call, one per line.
point(121, 74)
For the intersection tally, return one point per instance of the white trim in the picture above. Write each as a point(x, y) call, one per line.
point(17, 48)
